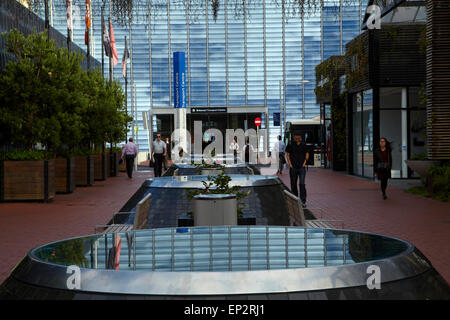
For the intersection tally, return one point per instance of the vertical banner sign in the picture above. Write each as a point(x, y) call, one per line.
point(179, 80)
point(276, 119)
point(179, 103)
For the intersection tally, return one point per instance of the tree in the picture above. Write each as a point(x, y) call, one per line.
point(105, 116)
point(29, 110)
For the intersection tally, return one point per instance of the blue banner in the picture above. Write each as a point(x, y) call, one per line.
point(179, 80)
point(276, 119)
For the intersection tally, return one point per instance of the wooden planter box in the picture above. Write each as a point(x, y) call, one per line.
point(100, 167)
point(65, 175)
point(84, 171)
point(27, 180)
point(113, 164)
point(123, 166)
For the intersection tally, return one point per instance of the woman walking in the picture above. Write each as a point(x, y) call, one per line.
point(383, 164)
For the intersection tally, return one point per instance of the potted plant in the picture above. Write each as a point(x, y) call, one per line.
point(219, 185)
point(31, 113)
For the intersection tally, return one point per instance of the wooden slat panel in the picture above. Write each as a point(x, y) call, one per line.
point(438, 79)
point(25, 180)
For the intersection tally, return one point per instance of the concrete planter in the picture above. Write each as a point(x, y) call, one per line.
point(215, 210)
point(27, 180)
point(421, 166)
point(211, 171)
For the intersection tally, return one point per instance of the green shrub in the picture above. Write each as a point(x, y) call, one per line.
point(24, 155)
point(441, 181)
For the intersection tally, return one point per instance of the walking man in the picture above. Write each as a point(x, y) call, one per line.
point(297, 156)
point(280, 148)
point(159, 152)
point(130, 152)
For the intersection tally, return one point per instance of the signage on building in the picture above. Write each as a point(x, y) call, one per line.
point(276, 119)
point(209, 110)
point(179, 80)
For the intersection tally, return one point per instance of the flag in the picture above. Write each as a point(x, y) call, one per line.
point(125, 57)
point(106, 40)
point(87, 21)
point(115, 57)
point(69, 15)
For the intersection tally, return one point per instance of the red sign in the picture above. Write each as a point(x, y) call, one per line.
point(258, 122)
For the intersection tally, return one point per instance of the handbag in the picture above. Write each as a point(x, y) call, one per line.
point(151, 163)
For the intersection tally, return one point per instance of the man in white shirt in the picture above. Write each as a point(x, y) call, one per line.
point(130, 152)
point(280, 149)
point(159, 151)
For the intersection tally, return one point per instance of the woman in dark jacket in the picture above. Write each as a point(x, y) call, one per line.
point(383, 164)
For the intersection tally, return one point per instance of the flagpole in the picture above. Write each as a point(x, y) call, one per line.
point(126, 86)
point(88, 27)
point(133, 105)
point(69, 25)
point(103, 34)
point(47, 23)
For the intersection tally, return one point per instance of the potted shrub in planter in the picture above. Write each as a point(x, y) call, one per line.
point(27, 175)
point(219, 186)
point(34, 90)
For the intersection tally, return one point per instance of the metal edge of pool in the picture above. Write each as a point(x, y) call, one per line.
point(405, 265)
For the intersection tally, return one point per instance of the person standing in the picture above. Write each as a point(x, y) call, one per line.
point(248, 149)
point(297, 156)
point(158, 153)
point(383, 164)
point(234, 147)
point(280, 148)
point(130, 152)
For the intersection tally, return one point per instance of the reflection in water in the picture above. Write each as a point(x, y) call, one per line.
point(70, 252)
point(237, 248)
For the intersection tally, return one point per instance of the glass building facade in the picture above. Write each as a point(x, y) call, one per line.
point(255, 55)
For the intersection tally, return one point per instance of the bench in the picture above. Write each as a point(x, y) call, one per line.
point(297, 215)
point(140, 218)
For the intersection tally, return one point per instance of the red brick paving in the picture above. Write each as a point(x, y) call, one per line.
point(421, 221)
point(28, 225)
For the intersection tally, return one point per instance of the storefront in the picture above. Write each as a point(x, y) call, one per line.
point(220, 118)
point(386, 71)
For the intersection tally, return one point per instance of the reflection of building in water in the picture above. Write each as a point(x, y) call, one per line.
point(229, 249)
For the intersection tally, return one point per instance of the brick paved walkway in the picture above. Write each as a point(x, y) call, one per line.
point(422, 221)
point(24, 226)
